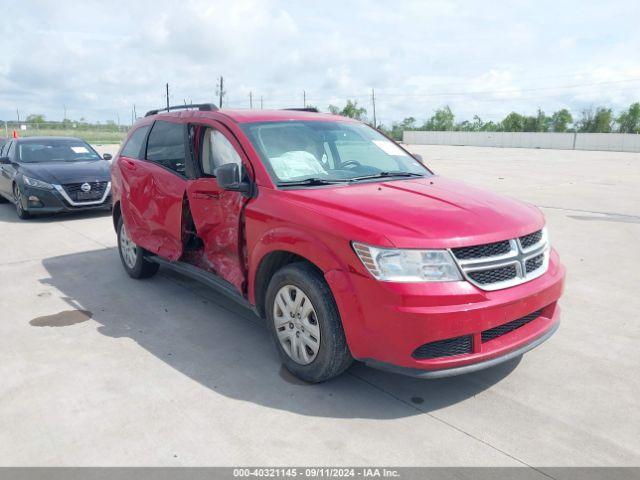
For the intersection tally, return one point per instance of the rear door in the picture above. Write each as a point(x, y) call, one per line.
point(154, 186)
point(217, 213)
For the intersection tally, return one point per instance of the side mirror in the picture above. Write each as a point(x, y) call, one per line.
point(418, 157)
point(5, 161)
point(228, 176)
point(107, 156)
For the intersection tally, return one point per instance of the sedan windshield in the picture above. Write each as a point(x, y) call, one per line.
point(303, 153)
point(55, 150)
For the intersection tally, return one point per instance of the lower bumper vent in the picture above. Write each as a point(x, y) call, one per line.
point(503, 329)
point(445, 348)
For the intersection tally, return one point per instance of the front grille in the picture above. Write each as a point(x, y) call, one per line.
point(534, 263)
point(531, 239)
point(75, 192)
point(481, 251)
point(500, 330)
point(494, 275)
point(445, 348)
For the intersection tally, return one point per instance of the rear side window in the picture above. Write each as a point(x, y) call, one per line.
point(166, 146)
point(133, 147)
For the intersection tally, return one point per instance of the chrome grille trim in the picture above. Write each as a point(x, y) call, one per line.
point(517, 256)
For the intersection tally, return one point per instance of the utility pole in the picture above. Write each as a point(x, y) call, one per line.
point(65, 113)
point(373, 100)
point(221, 92)
point(18, 114)
point(167, 96)
point(251, 100)
point(135, 114)
point(304, 98)
point(261, 102)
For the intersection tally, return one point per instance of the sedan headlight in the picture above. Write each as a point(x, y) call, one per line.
point(32, 182)
point(408, 265)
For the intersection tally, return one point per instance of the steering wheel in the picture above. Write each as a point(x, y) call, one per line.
point(355, 163)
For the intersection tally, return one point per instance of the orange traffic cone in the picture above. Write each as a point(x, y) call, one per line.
point(15, 134)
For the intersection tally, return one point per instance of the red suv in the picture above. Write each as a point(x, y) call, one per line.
point(346, 244)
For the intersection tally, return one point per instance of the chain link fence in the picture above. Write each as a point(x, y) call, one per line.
point(90, 132)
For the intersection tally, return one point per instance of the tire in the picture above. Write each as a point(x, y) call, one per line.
point(133, 257)
point(17, 199)
point(2, 199)
point(331, 356)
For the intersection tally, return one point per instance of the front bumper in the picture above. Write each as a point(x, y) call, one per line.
point(56, 201)
point(386, 322)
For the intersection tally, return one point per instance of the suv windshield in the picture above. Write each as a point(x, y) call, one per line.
point(55, 150)
point(319, 152)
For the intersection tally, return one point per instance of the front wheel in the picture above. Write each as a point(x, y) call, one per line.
point(304, 320)
point(17, 199)
point(132, 256)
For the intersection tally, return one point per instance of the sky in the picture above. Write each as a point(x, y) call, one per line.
point(96, 60)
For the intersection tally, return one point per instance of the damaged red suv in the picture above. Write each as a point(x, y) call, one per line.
point(346, 244)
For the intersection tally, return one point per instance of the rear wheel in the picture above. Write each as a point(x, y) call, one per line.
point(132, 256)
point(305, 324)
point(17, 199)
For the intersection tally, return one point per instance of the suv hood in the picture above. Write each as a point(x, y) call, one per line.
point(432, 212)
point(68, 172)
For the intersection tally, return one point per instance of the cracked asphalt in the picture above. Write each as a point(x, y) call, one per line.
point(98, 369)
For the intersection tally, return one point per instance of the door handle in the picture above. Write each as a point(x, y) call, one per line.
point(206, 195)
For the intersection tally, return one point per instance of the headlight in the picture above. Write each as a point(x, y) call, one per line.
point(32, 182)
point(395, 265)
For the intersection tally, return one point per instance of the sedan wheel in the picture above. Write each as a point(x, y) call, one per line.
point(17, 198)
point(296, 324)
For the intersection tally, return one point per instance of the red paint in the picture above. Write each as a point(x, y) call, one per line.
point(383, 321)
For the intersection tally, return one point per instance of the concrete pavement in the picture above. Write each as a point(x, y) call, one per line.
point(99, 369)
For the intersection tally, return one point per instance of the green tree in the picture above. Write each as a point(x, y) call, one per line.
point(35, 118)
point(350, 110)
point(598, 121)
point(514, 122)
point(629, 121)
point(539, 123)
point(408, 123)
point(442, 120)
point(561, 120)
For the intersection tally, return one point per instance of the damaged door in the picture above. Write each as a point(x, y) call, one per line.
point(216, 213)
point(156, 184)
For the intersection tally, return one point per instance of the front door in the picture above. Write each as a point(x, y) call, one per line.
point(7, 171)
point(216, 212)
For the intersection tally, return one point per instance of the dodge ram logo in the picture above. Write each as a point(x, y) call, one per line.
point(85, 187)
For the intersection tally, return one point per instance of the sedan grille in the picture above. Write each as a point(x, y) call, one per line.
point(78, 194)
point(503, 264)
point(500, 330)
point(445, 348)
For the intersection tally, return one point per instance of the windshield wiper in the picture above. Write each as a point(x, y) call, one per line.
point(386, 174)
point(311, 181)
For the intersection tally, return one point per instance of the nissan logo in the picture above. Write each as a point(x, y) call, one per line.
point(85, 187)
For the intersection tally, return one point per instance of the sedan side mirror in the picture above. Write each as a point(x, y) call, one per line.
point(107, 156)
point(228, 176)
point(5, 161)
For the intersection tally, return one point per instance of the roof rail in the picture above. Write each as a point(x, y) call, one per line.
point(305, 109)
point(206, 107)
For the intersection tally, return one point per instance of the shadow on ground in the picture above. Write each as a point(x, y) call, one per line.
point(8, 214)
point(226, 348)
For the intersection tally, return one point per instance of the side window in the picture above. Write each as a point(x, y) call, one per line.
point(133, 146)
point(166, 146)
point(216, 151)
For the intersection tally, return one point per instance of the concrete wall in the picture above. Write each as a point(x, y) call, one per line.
point(617, 142)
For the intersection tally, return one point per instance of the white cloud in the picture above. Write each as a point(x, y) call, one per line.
point(99, 59)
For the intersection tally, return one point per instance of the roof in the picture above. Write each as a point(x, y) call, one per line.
point(251, 116)
point(41, 138)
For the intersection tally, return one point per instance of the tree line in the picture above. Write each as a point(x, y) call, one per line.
point(590, 120)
